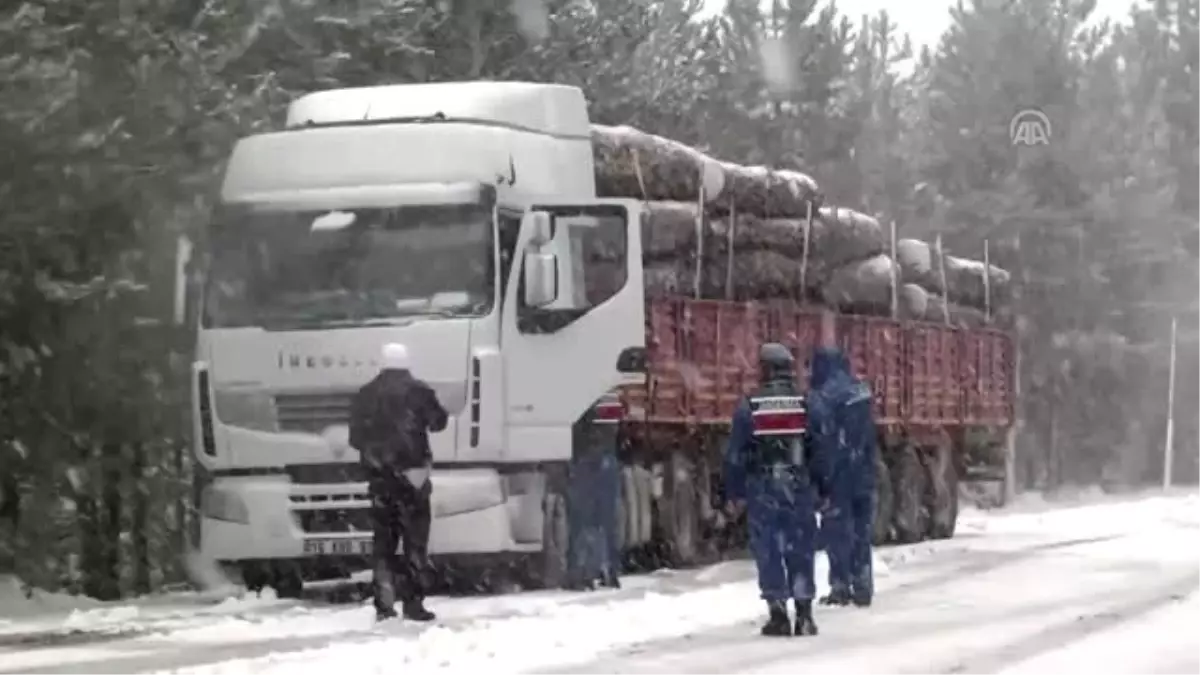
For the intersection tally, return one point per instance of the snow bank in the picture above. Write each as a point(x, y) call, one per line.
point(37, 612)
point(19, 602)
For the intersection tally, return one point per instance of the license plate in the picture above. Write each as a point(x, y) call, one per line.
point(337, 547)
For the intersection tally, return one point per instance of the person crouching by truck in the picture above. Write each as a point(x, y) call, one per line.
point(390, 420)
point(594, 551)
point(841, 422)
point(778, 477)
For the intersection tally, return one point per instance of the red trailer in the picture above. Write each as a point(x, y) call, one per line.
point(935, 387)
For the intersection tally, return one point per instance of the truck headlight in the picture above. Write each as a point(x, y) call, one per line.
point(246, 408)
point(221, 504)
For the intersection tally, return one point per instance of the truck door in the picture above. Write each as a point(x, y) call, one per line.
point(574, 304)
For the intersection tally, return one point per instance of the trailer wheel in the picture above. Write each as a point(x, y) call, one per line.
point(681, 510)
point(908, 480)
point(885, 502)
point(942, 491)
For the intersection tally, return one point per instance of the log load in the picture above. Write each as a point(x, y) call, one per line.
point(635, 164)
point(757, 275)
point(964, 278)
point(918, 304)
point(865, 283)
point(838, 236)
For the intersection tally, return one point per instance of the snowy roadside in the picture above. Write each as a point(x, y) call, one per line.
point(39, 617)
point(216, 618)
point(1163, 641)
point(571, 633)
point(563, 632)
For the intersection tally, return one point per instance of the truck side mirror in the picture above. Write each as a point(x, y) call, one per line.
point(541, 228)
point(540, 278)
point(183, 256)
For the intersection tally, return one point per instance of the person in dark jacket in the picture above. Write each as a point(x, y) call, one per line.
point(390, 420)
point(594, 551)
point(779, 477)
point(841, 422)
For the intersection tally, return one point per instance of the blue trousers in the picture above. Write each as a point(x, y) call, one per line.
point(593, 547)
point(847, 527)
point(780, 513)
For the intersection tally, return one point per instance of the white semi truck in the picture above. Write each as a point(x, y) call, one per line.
point(459, 219)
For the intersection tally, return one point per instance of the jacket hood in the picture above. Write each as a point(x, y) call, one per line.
point(828, 364)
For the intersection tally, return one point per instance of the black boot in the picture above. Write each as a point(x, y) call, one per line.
point(838, 596)
point(805, 625)
point(778, 623)
point(612, 580)
point(861, 599)
point(385, 614)
point(414, 610)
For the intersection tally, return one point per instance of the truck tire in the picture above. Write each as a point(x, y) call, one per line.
point(287, 581)
point(680, 510)
point(908, 481)
point(885, 503)
point(942, 478)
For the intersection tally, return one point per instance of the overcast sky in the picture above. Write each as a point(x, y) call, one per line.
point(925, 20)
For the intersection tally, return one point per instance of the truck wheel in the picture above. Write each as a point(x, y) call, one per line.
point(252, 575)
point(908, 481)
point(287, 582)
point(885, 502)
point(942, 478)
point(681, 510)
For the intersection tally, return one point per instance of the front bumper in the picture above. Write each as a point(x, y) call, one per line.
point(475, 511)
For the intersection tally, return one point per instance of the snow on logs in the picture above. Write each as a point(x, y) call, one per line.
point(965, 279)
point(741, 232)
point(633, 163)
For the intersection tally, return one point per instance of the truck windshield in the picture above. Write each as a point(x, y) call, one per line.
point(311, 269)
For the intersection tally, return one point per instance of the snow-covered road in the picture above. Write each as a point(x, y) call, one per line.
point(1102, 587)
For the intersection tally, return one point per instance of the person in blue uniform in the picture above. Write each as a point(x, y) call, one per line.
point(841, 423)
point(772, 472)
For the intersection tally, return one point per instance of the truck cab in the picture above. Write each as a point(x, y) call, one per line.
point(459, 219)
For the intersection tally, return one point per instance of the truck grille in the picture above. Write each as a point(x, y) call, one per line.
point(328, 521)
point(325, 474)
point(312, 413)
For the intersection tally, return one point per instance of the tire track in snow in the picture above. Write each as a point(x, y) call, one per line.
point(1129, 607)
point(721, 641)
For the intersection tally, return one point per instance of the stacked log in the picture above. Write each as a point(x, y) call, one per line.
point(633, 163)
point(919, 264)
point(764, 257)
point(743, 233)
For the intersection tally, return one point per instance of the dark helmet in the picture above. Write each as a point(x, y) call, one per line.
point(775, 362)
